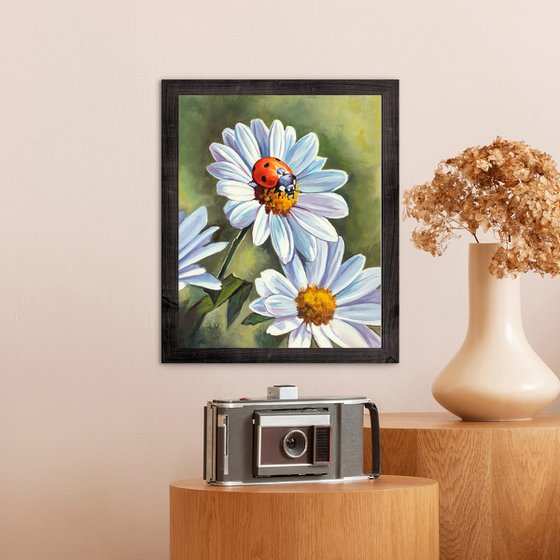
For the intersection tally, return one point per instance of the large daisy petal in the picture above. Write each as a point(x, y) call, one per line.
point(364, 313)
point(276, 140)
point(261, 228)
point(303, 152)
point(230, 206)
point(373, 340)
point(283, 325)
point(247, 144)
point(278, 284)
point(229, 138)
point(365, 286)
point(234, 190)
point(202, 252)
point(344, 334)
point(300, 338)
point(258, 306)
point(225, 153)
point(282, 239)
point(316, 165)
point(262, 288)
point(296, 273)
point(206, 281)
point(320, 338)
point(305, 243)
point(333, 260)
point(260, 131)
point(347, 335)
point(315, 269)
point(198, 241)
point(347, 273)
point(281, 306)
point(190, 226)
point(244, 214)
point(322, 181)
point(329, 205)
point(228, 170)
point(316, 225)
point(289, 138)
point(188, 270)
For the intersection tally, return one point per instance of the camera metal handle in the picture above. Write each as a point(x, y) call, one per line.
point(375, 444)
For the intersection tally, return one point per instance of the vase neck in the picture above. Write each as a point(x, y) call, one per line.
point(493, 303)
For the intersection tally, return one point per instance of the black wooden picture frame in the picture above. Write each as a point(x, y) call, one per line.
point(389, 92)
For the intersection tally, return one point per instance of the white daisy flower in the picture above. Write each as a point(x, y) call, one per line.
point(279, 185)
point(194, 245)
point(323, 299)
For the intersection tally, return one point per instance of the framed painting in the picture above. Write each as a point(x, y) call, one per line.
point(280, 223)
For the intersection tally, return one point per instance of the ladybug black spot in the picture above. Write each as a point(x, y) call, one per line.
point(254, 167)
point(267, 164)
point(263, 178)
point(276, 159)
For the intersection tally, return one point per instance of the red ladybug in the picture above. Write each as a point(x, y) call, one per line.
point(271, 173)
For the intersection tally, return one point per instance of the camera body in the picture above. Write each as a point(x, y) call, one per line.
point(283, 438)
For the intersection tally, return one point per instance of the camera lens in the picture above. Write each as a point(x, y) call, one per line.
point(291, 442)
point(294, 444)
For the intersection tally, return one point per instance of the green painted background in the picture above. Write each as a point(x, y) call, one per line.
point(349, 132)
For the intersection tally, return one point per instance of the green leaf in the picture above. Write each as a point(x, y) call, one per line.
point(205, 305)
point(255, 319)
point(229, 286)
point(191, 319)
point(276, 341)
point(236, 302)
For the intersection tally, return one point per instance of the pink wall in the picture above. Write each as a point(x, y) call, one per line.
point(92, 426)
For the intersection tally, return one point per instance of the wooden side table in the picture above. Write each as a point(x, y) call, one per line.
point(499, 481)
point(391, 518)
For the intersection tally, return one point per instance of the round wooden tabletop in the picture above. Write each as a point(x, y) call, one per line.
point(383, 484)
point(388, 518)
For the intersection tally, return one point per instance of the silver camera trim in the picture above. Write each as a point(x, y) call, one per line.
point(304, 481)
point(284, 403)
point(295, 420)
point(210, 462)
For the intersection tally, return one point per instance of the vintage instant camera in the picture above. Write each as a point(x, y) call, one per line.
point(283, 438)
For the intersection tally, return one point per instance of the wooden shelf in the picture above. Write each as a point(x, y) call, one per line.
point(392, 518)
point(499, 481)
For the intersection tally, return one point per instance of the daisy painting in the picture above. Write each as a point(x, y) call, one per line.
point(279, 192)
point(277, 184)
point(194, 245)
point(323, 301)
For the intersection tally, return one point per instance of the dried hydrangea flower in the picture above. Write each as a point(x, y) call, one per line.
point(506, 187)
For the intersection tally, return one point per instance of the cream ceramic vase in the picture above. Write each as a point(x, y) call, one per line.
point(495, 375)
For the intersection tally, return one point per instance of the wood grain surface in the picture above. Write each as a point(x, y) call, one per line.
point(499, 481)
point(392, 518)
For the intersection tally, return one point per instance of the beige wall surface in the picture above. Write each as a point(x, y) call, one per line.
point(92, 426)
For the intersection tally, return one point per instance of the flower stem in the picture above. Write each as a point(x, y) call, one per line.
point(231, 251)
point(475, 237)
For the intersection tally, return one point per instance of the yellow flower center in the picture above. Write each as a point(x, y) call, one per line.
point(315, 305)
point(274, 200)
